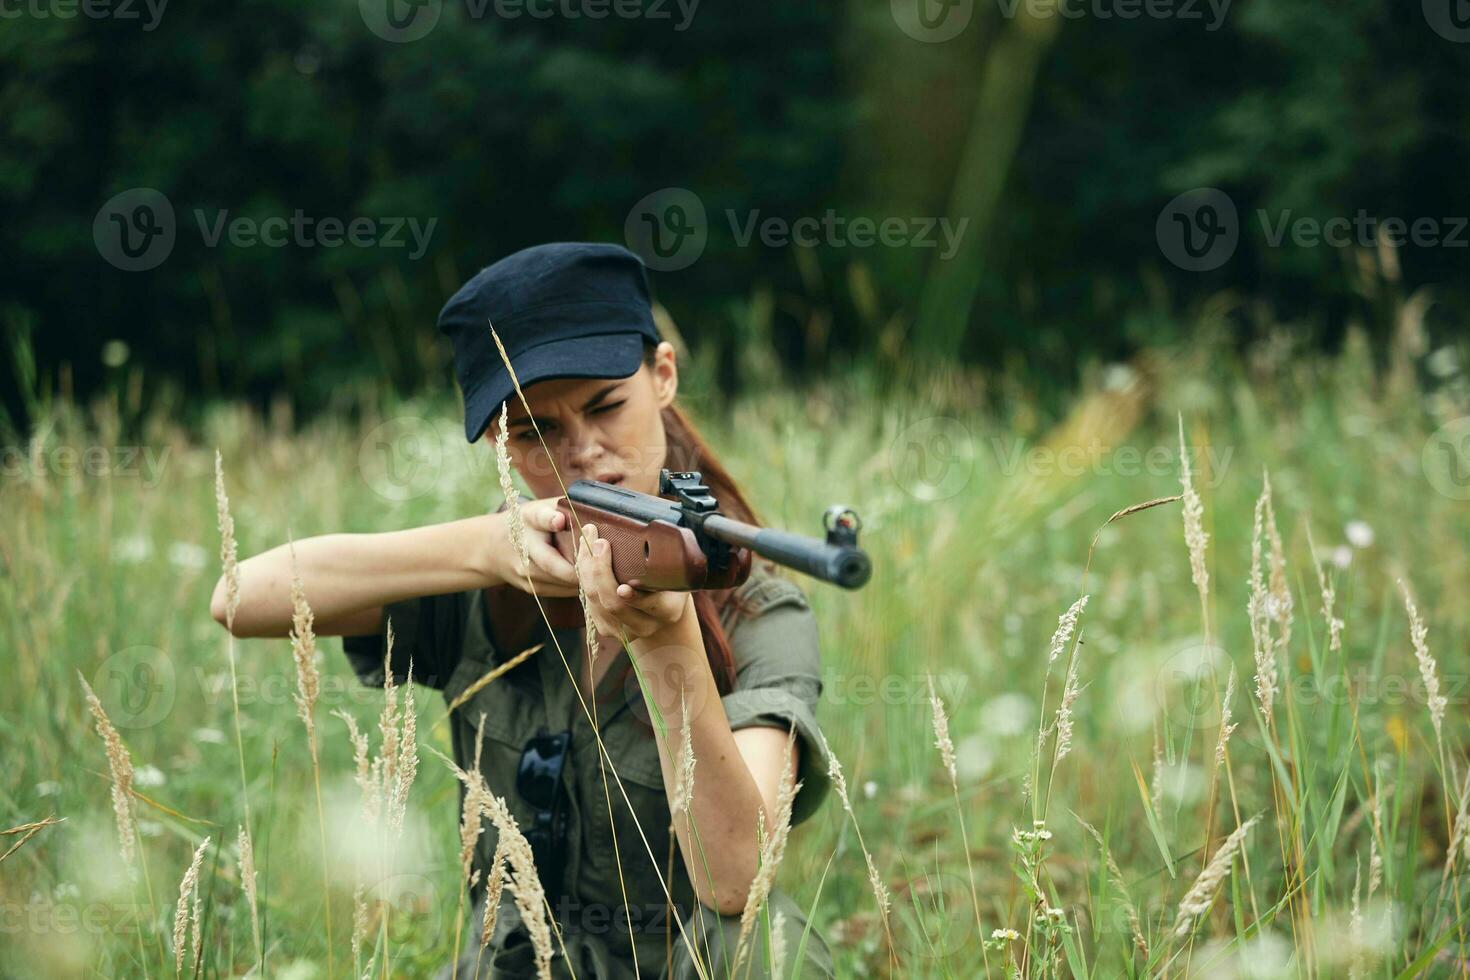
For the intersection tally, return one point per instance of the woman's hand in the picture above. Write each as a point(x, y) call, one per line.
point(614, 607)
point(550, 573)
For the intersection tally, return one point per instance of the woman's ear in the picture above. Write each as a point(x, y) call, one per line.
point(665, 373)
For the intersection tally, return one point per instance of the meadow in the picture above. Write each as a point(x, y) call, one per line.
point(1112, 798)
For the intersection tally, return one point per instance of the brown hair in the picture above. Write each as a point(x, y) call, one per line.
point(687, 450)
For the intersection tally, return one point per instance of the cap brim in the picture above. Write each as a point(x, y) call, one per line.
point(612, 355)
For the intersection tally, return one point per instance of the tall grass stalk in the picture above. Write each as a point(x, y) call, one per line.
point(230, 565)
point(308, 687)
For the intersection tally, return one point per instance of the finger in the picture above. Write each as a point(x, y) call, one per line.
point(635, 620)
point(603, 579)
point(551, 563)
point(645, 601)
point(594, 568)
point(601, 621)
point(543, 515)
point(663, 607)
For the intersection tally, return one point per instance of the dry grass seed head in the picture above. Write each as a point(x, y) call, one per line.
point(303, 650)
point(772, 850)
point(228, 551)
point(512, 496)
point(942, 740)
point(494, 885)
point(1135, 924)
point(1428, 666)
point(1227, 728)
point(523, 880)
point(1329, 598)
point(186, 919)
point(247, 865)
point(1066, 626)
point(1257, 610)
point(1195, 537)
point(1201, 894)
point(683, 797)
point(120, 765)
point(1064, 711)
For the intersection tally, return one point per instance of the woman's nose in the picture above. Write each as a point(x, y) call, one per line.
point(582, 445)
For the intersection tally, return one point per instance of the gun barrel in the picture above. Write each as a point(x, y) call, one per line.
point(844, 565)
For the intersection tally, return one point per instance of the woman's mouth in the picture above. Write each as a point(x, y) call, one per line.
point(613, 478)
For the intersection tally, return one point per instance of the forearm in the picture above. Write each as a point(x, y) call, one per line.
point(345, 576)
point(721, 847)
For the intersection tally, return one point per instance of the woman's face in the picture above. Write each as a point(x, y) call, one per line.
point(596, 428)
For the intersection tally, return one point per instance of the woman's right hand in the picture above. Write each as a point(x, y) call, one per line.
point(550, 573)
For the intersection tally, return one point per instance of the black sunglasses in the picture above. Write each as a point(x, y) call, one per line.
point(538, 781)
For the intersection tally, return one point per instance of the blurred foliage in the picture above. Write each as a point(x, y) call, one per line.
point(511, 132)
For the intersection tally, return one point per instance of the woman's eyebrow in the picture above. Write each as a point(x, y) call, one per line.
point(597, 399)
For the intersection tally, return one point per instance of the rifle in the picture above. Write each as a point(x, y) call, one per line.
point(685, 544)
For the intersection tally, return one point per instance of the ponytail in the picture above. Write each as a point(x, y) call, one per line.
point(687, 450)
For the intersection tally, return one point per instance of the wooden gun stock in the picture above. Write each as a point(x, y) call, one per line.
point(686, 545)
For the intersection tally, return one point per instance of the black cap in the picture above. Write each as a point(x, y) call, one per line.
point(563, 310)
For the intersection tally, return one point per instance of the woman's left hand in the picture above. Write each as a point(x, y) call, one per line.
point(614, 606)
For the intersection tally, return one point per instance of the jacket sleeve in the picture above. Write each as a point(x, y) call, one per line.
point(428, 633)
point(778, 680)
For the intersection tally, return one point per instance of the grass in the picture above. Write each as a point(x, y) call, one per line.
point(980, 505)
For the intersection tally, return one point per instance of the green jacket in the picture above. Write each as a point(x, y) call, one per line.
point(773, 637)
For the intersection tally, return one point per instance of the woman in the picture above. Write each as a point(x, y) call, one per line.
point(577, 324)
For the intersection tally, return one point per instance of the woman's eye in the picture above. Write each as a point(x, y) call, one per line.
point(606, 408)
